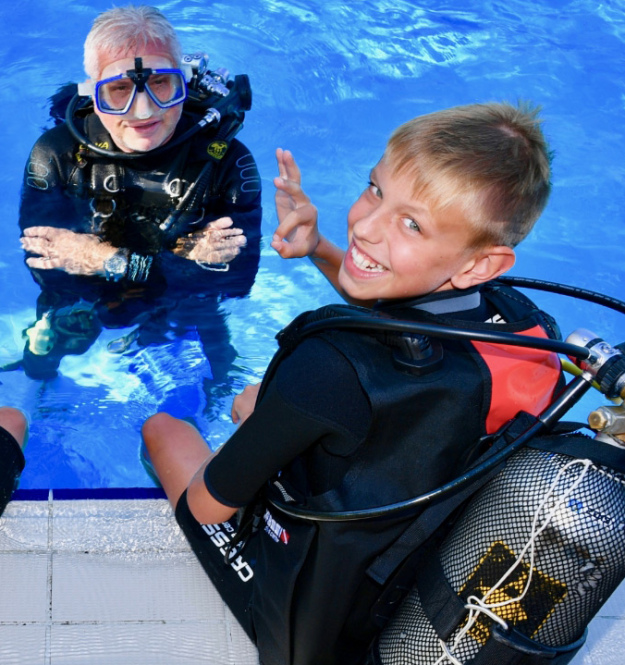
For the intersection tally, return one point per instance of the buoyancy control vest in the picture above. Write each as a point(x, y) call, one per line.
point(313, 586)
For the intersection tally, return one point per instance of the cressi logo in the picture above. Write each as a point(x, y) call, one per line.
point(217, 149)
point(274, 530)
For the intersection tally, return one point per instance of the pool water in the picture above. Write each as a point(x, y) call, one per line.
point(330, 81)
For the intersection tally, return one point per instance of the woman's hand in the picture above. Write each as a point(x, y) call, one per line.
point(218, 243)
point(297, 234)
point(61, 249)
point(244, 404)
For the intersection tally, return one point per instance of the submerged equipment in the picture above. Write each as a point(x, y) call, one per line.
point(221, 101)
point(508, 563)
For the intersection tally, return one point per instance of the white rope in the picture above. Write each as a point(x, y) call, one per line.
point(478, 606)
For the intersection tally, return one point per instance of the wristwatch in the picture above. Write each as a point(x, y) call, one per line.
point(116, 266)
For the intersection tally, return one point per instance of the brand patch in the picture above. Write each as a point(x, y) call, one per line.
point(221, 535)
point(274, 530)
point(526, 614)
point(217, 149)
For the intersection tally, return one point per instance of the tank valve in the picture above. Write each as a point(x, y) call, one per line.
point(609, 422)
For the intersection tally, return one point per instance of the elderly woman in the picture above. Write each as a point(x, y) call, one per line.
point(137, 218)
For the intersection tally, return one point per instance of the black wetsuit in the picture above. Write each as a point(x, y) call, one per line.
point(341, 426)
point(124, 202)
point(11, 466)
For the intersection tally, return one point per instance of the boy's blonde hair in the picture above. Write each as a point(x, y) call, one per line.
point(123, 30)
point(492, 159)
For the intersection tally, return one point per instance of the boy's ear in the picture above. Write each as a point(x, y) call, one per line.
point(486, 264)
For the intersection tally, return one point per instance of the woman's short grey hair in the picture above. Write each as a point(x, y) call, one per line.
point(123, 30)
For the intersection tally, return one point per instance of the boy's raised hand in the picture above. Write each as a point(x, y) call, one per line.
point(297, 234)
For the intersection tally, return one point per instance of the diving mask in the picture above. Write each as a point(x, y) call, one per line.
point(115, 95)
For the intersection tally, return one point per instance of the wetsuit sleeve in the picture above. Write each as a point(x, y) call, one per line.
point(46, 201)
point(314, 401)
point(239, 188)
point(44, 197)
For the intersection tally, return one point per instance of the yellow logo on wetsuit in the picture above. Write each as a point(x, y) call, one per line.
point(217, 149)
point(82, 148)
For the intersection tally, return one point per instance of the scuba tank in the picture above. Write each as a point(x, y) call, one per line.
point(530, 562)
point(533, 555)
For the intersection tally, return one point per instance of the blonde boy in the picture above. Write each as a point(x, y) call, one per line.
point(346, 420)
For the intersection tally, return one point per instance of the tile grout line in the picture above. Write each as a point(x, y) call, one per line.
point(48, 645)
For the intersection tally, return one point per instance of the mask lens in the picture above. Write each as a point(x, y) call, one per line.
point(115, 95)
point(167, 89)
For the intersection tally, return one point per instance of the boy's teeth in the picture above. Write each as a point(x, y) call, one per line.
point(364, 263)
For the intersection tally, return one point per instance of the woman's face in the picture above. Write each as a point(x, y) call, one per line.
point(145, 126)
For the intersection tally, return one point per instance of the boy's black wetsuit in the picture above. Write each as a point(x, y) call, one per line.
point(341, 426)
point(124, 202)
point(11, 466)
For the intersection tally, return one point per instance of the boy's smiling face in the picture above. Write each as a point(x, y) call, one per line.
point(400, 246)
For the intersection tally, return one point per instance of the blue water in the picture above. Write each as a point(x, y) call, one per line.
point(331, 80)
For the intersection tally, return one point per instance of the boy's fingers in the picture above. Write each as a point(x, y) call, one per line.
point(280, 160)
point(284, 229)
point(287, 166)
point(303, 217)
point(293, 189)
point(292, 168)
point(284, 249)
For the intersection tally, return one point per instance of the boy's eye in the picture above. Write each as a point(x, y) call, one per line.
point(411, 224)
point(375, 190)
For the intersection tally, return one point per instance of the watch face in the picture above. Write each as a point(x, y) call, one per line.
point(116, 265)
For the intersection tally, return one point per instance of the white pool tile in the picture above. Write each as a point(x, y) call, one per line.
point(24, 644)
point(189, 643)
point(132, 587)
point(24, 527)
point(24, 587)
point(605, 644)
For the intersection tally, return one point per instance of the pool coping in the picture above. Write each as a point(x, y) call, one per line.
point(98, 493)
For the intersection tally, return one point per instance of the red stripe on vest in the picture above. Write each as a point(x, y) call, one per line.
point(522, 379)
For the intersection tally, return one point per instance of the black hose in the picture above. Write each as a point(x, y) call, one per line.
point(447, 332)
point(565, 290)
point(84, 140)
point(572, 393)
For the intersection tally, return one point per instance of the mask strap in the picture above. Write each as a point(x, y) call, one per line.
point(139, 75)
